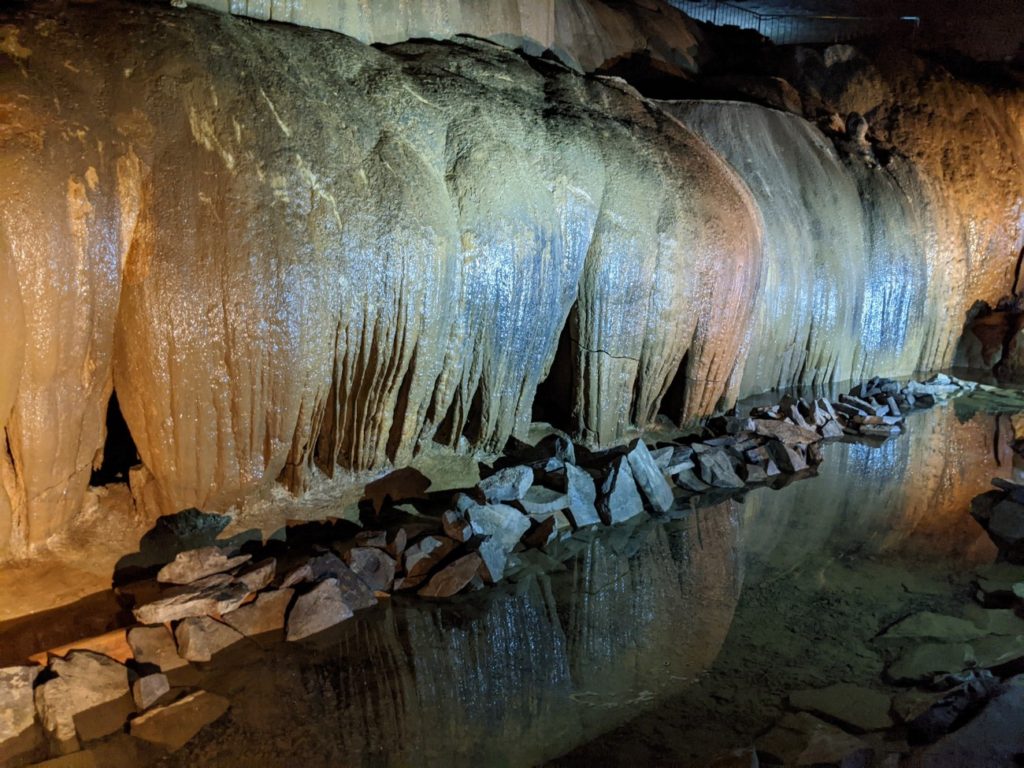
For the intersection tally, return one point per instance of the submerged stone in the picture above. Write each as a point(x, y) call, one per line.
point(173, 725)
point(935, 626)
point(861, 709)
point(922, 663)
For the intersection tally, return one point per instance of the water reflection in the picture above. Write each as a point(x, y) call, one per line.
point(631, 623)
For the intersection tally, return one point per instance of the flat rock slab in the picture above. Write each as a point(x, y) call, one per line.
point(201, 637)
point(88, 699)
point(265, 614)
point(509, 484)
point(860, 709)
point(994, 651)
point(155, 645)
point(453, 578)
point(935, 626)
point(374, 567)
point(804, 740)
point(319, 609)
point(789, 434)
point(196, 564)
point(20, 735)
point(202, 601)
point(923, 662)
point(259, 576)
point(173, 725)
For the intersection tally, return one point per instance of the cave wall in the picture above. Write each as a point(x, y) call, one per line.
point(286, 249)
point(293, 254)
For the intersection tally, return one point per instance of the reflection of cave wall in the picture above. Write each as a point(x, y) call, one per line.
point(909, 496)
point(523, 678)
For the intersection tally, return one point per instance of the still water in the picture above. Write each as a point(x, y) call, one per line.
point(660, 643)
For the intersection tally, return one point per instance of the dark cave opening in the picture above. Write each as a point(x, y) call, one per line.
point(119, 451)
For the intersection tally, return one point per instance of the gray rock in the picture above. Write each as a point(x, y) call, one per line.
point(865, 406)
point(265, 614)
point(826, 406)
point(503, 524)
point(88, 699)
point(173, 725)
point(715, 468)
point(319, 609)
point(663, 456)
point(582, 493)
point(260, 575)
point(193, 601)
point(756, 474)
point(423, 556)
point(618, 498)
point(649, 479)
point(790, 434)
point(856, 708)
point(935, 626)
point(1006, 524)
point(155, 645)
point(945, 711)
point(544, 501)
point(20, 735)
point(831, 429)
point(374, 567)
point(509, 484)
point(688, 479)
point(200, 637)
point(995, 650)
point(454, 577)
point(195, 564)
point(147, 690)
point(787, 459)
point(995, 621)
point(495, 560)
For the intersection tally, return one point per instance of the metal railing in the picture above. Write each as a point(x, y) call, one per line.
point(790, 28)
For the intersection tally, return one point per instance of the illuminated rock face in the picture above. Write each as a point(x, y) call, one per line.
point(285, 248)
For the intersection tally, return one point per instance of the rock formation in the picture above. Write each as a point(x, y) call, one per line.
point(292, 254)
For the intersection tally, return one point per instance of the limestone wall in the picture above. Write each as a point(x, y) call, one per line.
point(286, 249)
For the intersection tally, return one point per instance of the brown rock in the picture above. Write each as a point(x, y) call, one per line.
point(425, 554)
point(173, 725)
point(790, 434)
point(196, 564)
point(200, 601)
point(453, 578)
point(265, 614)
point(259, 576)
point(200, 637)
point(322, 607)
point(155, 645)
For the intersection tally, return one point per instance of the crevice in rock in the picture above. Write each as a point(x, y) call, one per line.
point(473, 429)
point(674, 400)
point(119, 451)
point(554, 399)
